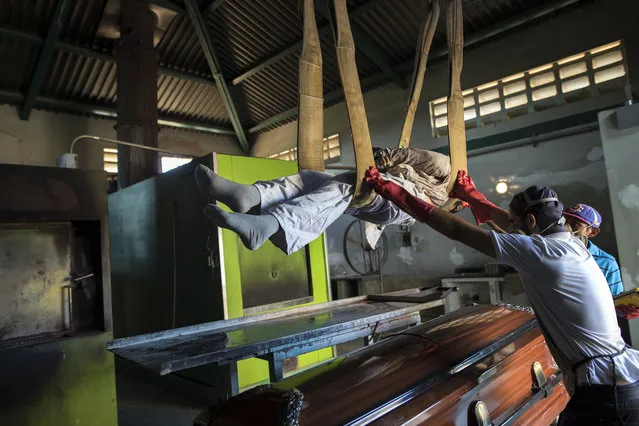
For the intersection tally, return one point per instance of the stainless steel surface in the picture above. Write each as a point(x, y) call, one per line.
point(287, 333)
point(417, 297)
point(277, 305)
point(476, 289)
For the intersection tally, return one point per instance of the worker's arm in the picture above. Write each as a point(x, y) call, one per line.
point(499, 219)
point(495, 228)
point(483, 210)
point(446, 223)
point(460, 230)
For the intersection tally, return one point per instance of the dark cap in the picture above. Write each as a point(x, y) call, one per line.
point(539, 199)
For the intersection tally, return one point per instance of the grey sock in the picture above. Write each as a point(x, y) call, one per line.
point(253, 230)
point(240, 198)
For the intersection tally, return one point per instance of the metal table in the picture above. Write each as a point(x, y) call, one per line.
point(279, 335)
point(494, 283)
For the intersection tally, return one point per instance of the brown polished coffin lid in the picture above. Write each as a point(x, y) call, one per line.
point(434, 373)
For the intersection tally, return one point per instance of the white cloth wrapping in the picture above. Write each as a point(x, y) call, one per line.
point(307, 203)
point(427, 172)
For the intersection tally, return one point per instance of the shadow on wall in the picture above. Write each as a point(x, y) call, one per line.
point(573, 166)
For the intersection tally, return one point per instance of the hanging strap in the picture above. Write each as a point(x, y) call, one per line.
point(354, 104)
point(310, 118)
point(421, 59)
point(456, 124)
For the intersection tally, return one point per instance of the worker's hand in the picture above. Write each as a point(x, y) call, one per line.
point(459, 206)
point(466, 191)
point(465, 188)
point(412, 205)
point(373, 178)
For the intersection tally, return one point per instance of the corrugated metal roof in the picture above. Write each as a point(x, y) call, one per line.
point(81, 25)
point(248, 32)
point(92, 81)
point(190, 101)
point(245, 33)
point(30, 15)
point(22, 57)
point(180, 49)
point(82, 79)
point(394, 26)
point(274, 89)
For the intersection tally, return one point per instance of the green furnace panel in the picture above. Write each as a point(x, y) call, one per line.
point(171, 268)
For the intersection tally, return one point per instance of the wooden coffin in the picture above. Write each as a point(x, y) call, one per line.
point(435, 373)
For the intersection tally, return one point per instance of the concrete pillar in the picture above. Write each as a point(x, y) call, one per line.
point(137, 93)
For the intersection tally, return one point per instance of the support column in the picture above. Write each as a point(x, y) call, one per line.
point(137, 93)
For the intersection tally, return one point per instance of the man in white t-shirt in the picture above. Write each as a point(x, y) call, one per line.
point(567, 290)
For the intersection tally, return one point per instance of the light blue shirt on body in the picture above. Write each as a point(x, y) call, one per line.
point(609, 267)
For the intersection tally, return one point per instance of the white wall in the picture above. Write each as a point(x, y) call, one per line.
point(621, 150)
point(46, 135)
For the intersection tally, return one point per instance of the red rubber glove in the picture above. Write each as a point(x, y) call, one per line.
point(465, 190)
point(412, 205)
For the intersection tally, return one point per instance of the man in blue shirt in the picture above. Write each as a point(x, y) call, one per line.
point(585, 222)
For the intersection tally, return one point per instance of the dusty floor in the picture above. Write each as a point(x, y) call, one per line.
point(140, 404)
